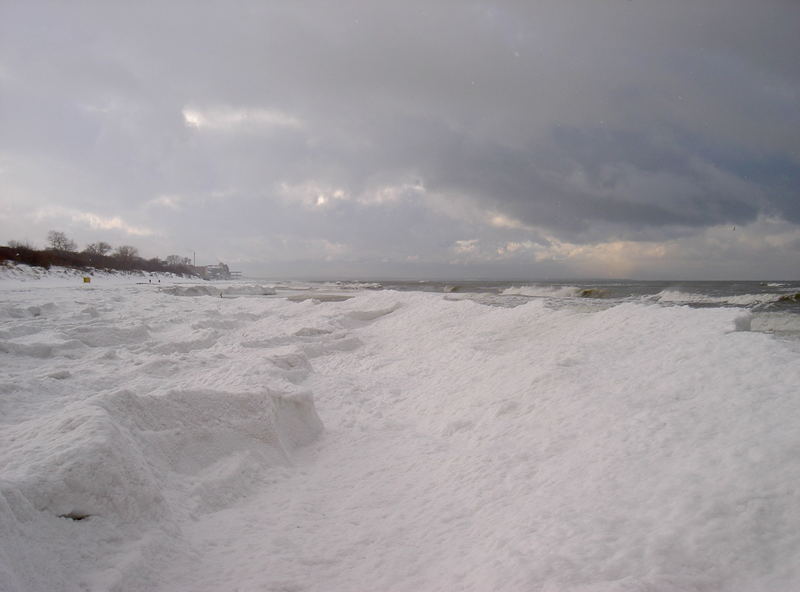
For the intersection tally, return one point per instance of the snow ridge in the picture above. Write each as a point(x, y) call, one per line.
point(152, 442)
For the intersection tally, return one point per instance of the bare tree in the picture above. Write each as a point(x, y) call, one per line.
point(98, 248)
point(126, 252)
point(24, 244)
point(126, 257)
point(59, 241)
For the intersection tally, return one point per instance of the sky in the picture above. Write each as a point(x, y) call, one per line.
point(541, 139)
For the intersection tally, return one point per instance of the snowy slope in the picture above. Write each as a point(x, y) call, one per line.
point(465, 447)
point(19, 275)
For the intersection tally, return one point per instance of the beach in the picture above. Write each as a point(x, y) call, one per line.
point(176, 435)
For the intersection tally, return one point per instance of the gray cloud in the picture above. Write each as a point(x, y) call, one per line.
point(584, 123)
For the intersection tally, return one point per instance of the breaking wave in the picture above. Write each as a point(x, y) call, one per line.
point(747, 300)
point(555, 292)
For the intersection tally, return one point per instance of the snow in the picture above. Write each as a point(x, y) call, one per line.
point(17, 275)
point(154, 441)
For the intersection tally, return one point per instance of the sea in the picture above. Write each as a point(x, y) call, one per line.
point(774, 305)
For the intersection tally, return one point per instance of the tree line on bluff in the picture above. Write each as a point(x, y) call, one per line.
point(63, 251)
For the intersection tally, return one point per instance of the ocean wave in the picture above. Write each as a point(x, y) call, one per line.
point(790, 297)
point(679, 297)
point(554, 292)
point(208, 290)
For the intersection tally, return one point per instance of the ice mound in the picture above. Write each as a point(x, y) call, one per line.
point(294, 366)
point(127, 413)
point(635, 446)
point(36, 350)
point(372, 314)
point(80, 462)
point(28, 311)
point(104, 336)
point(112, 455)
point(639, 447)
point(777, 322)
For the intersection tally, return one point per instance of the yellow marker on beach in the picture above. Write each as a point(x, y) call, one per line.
point(86, 279)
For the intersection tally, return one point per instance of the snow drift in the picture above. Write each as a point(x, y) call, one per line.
point(113, 455)
point(150, 442)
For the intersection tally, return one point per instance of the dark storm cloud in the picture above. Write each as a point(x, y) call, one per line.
point(580, 179)
point(581, 121)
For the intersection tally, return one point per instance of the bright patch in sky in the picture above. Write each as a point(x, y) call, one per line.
point(233, 119)
point(171, 202)
point(93, 220)
point(541, 130)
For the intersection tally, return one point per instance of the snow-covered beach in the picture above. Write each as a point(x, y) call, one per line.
point(157, 436)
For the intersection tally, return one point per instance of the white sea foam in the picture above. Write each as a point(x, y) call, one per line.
point(544, 291)
point(678, 297)
point(358, 285)
point(149, 442)
point(249, 290)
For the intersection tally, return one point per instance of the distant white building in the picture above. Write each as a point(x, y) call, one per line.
point(215, 272)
